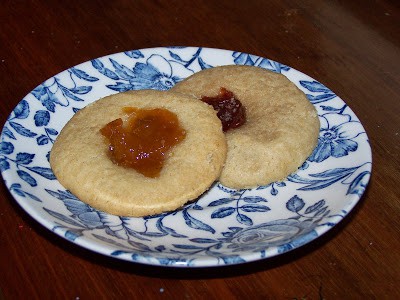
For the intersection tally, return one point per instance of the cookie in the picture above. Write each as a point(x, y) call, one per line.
point(80, 162)
point(281, 128)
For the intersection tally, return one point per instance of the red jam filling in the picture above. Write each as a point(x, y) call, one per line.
point(229, 109)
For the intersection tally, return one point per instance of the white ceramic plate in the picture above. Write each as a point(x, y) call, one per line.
point(224, 226)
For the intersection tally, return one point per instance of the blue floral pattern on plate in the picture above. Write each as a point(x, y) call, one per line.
point(223, 226)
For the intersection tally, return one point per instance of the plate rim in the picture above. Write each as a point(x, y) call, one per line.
point(103, 249)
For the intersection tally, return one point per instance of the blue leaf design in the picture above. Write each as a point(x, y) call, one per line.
point(254, 208)
point(121, 86)
point(203, 241)
point(243, 219)
point(203, 65)
point(321, 211)
point(153, 234)
point(16, 187)
point(61, 195)
point(295, 204)
point(4, 164)
point(220, 202)
point(197, 207)
point(335, 172)
point(33, 197)
point(315, 207)
point(160, 248)
point(222, 212)
point(21, 111)
point(24, 158)
point(277, 67)
point(314, 86)
point(44, 172)
point(329, 108)
point(320, 98)
point(134, 54)
point(122, 71)
point(254, 199)
point(357, 186)
point(240, 58)
point(51, 131)
point(7, 132)
point(69, 94)
point(196, 224)
point(272, 65)
point(175, 56)
point(22, 130)
point(329, 178)
point(187, 247)
point(98, 65)
point(81, 90)
point(160, 226)
point(27, 178)
point(83, 75)
point(6, 148)
point(18, 191)
point(42, 118)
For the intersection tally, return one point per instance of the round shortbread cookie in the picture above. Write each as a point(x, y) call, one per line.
point(282, 125)
point(80, 162)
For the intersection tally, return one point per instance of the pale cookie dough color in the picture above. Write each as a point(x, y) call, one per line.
point(281, 129)
point(80, 162)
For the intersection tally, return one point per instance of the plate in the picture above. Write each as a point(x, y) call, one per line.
point(223, 226)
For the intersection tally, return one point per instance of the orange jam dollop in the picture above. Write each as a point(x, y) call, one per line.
point(142, 140)
point(229, 109)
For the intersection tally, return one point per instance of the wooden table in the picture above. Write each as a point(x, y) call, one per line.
point(353, 47)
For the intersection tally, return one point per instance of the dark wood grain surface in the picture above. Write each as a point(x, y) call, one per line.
point(353, 47)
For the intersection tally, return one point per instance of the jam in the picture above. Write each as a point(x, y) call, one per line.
point(229, 109)
point(143, 139)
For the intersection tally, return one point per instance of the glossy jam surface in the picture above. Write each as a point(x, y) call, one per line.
point(229, 109)
point(142, 140)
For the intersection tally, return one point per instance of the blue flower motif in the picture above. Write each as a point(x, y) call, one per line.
point(335, 138)
point(161, 77)
point(157, 73)
point(263, 236)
